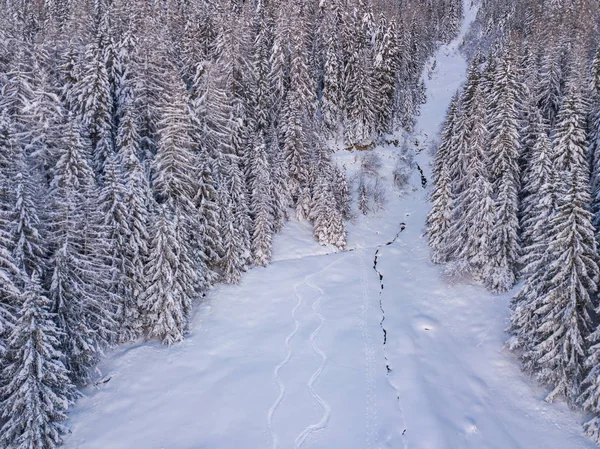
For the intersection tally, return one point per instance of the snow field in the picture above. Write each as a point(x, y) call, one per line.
point(294, 357)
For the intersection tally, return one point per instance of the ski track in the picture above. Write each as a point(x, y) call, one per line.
point(322, 424)
point(284, 362)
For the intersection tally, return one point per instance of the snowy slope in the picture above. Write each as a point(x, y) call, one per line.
point(296, 356)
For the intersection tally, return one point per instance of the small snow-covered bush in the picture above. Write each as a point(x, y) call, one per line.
point(379, 194)
point(370, 164)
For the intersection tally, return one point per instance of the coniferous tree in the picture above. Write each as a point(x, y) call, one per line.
point(295, 146)
point(341, 192)
point(361, 110)
point(171, 279)
point(279, 183)
point(261, 207)
point(35, 388)
point(328, 221)
point(117, 226)
point(78, 276)
point(572, 275)
point(137, 203)
point(386, 65)
point(538, 209)
point(332, 105)
point(440, 217)
point(94, 99)
point(505, 177)
point(28, 244)
point(474, 204)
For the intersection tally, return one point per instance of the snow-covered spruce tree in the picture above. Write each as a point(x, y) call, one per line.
point(19, 196)
point(260, 98)
point(94, 101)
point(538, 190)
point(171, 278)
point(45, 125)
point(557, 349)
point(361, 111)
point(332, 105)
point(295, 145)
point(440, 217)
point(176, 171)
point(363, 196)
point(124, 67)
point(474, 204)
point(329, 228)
point(117, 225)
point(10, 148)
point(213, 128)
point(137, 203)
point(279, 183)
point(341, 192)
point(35, 387)
point(505, 176)
point(304, 204)
point(17, 88)
point(10, 282)
point(458, 150)
point(549, 90)
point(279, 63)
point(85, 313)
point(207, 206)
point(538, 208)
point(29, 247)
point(387, 62)
point(235, 221)
point(261, 207)
point(232, 263)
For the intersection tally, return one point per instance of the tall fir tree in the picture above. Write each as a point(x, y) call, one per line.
point(35, 387)
point(503, 157)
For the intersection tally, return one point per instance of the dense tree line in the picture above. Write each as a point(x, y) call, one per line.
point(517, 185)
point(149, 149)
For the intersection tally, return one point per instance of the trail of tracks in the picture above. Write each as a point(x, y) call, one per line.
point(322, 423)
point(371, 419)
point(402, 227)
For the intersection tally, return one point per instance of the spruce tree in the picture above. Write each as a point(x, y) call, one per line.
point(386, 64)
point(557, 348)
point(171, 279)
point(474, 204)
point(137, 202)
point(440, 217)
point(361, 113)
point(94, 101)
point(261, 207)
point(29, 248)
point(329, 228)
point(85, 312)
point(35, 388)
point(505, 176)
point(332, 105)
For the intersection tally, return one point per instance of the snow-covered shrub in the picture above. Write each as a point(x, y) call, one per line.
point(370, 164)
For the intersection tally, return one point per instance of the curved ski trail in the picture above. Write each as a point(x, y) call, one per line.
point(322, 424)
point(326, 407)
point(284, 362)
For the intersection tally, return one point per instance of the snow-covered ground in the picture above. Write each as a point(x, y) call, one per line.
point(324, 350)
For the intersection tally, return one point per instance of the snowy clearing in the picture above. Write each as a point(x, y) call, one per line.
point(370, 348)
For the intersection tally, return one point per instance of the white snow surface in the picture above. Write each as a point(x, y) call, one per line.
point(294, 357)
